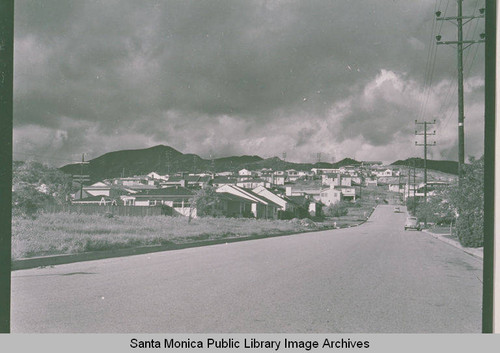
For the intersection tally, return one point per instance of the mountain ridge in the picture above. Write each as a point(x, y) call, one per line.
point(166, 160)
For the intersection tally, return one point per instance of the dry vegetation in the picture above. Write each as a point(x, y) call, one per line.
point(66, 233)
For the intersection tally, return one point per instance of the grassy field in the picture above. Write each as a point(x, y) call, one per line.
point(66, 233)
point(71, 233)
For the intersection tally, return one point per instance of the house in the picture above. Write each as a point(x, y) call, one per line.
point(383, 173)
point(156, 176)
point(187, 181)
point(318, 171)
point(253, 183)
point(279, 177)
point(348, 193)
point(307, 205)
point(370, 181)
point(356, 180)
point(292, 175)
point(95, 200)
point(330, 196)
point(285, 203)
point(311, 190)
point(261, 207)
point(99, 188)
point(223, 180)
point(306, 173)
point(244, 174)
point(134, 181)
point(225, 174)
point(330, 179)
point(345, 180)
point(176, 197)
point(102, 188)
point(231, 205)
point(395, 187)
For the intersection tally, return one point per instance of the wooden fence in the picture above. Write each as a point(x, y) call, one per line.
point(98, 209)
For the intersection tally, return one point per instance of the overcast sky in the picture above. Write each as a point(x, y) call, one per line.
point(226, 77)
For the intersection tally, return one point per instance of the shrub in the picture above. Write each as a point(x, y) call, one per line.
point(336, 210)
point(467, 202)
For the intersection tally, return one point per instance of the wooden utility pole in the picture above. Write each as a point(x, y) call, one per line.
point(414, 191)
point(460, 22)
point(425, 144)
point(82, 178)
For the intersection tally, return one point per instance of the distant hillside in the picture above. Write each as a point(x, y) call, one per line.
point(450, 167)
point(165, 160)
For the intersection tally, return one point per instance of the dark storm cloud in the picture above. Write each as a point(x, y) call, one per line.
point(161, 69)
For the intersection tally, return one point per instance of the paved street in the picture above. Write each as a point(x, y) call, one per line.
point(372, 278)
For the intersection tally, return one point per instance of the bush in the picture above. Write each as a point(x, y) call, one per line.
point(467, 202)
point(27, 201)
point(337, 210)
point(285, 215)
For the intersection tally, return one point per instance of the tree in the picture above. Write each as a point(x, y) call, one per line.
point(35, 185)
point(437, 209)
point(467, 202)
point(204, 201)
point(336, 210)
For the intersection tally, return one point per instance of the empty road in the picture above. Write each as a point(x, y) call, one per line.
point(367, 279)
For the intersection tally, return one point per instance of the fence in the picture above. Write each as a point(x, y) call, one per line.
point(112, 209)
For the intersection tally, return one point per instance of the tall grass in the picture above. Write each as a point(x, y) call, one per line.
point(69, 233)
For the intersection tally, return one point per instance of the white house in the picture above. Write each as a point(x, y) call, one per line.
point(348, 193)
point(156, 176)
point(98, 189)
point(244, 174)
point(371, 182)
point(261, 206)
point(330, 196)
point(345, 180)
point(283, 202)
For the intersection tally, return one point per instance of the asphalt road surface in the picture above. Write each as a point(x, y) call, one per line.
point(368, 279)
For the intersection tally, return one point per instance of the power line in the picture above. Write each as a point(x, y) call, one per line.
point(425, 145)
point(461, 20)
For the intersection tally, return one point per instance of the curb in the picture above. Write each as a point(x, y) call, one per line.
point(52, 260)
point(476, 252)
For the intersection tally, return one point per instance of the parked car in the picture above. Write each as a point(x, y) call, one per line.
point(412, 223)
point(397, 209)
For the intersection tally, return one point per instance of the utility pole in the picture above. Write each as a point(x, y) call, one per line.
point(460, 21)
point(425, 145)
point(408, 188)
point(399, 186)
point(414, 189)
point(81, 178)
point(167, 161)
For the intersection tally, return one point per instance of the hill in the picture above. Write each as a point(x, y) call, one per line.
point(166, 160)
point(450, 167)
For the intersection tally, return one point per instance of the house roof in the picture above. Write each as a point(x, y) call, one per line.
point(94, 198)
point(141, 187)
point(253, 180)
point(230, 197)
point(170, 191)
point(261, 197)
point(223, 179)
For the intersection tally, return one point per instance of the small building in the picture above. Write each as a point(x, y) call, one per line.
point(261, 207)
point(95, 200)
point(330, 196)
point(176, 197)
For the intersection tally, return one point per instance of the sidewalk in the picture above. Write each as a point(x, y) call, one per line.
point(476, 252)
